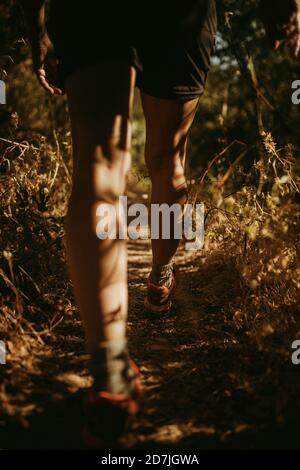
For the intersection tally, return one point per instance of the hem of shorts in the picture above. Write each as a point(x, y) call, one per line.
point(173, 95)
point(65, 72)
point(184, 95)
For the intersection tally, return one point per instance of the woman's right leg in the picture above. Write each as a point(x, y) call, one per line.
point(168, 122)
point(100, 100)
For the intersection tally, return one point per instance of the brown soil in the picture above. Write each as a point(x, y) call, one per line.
point(207, 384)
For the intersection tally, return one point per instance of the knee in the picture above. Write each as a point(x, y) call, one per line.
point(100, 181)
point(165, 167)
point(165, 160)
point(100, 169)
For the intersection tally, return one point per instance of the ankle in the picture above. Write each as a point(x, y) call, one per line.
point(161, 274)
point(110, 367)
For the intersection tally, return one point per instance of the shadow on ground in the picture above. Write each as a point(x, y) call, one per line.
point(208, 385)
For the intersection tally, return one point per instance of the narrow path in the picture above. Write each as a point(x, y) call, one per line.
point(206, 384)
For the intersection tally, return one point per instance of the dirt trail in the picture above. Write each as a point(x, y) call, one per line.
point(206, 384)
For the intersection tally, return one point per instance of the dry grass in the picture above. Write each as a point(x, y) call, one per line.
point(224, 352)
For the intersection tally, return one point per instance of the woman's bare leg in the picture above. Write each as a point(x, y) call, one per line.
point(100, 100)
point(167, 126)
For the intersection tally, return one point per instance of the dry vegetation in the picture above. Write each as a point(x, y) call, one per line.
point(217, 371)
point(224, 352)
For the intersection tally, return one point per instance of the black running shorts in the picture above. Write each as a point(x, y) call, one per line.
point(169, 46)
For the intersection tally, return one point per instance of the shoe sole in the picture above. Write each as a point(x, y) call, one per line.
point(92, 441)
point(157, 308)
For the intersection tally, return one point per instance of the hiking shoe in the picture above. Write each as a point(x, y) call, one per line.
point(109, 415)
point(158, 297)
